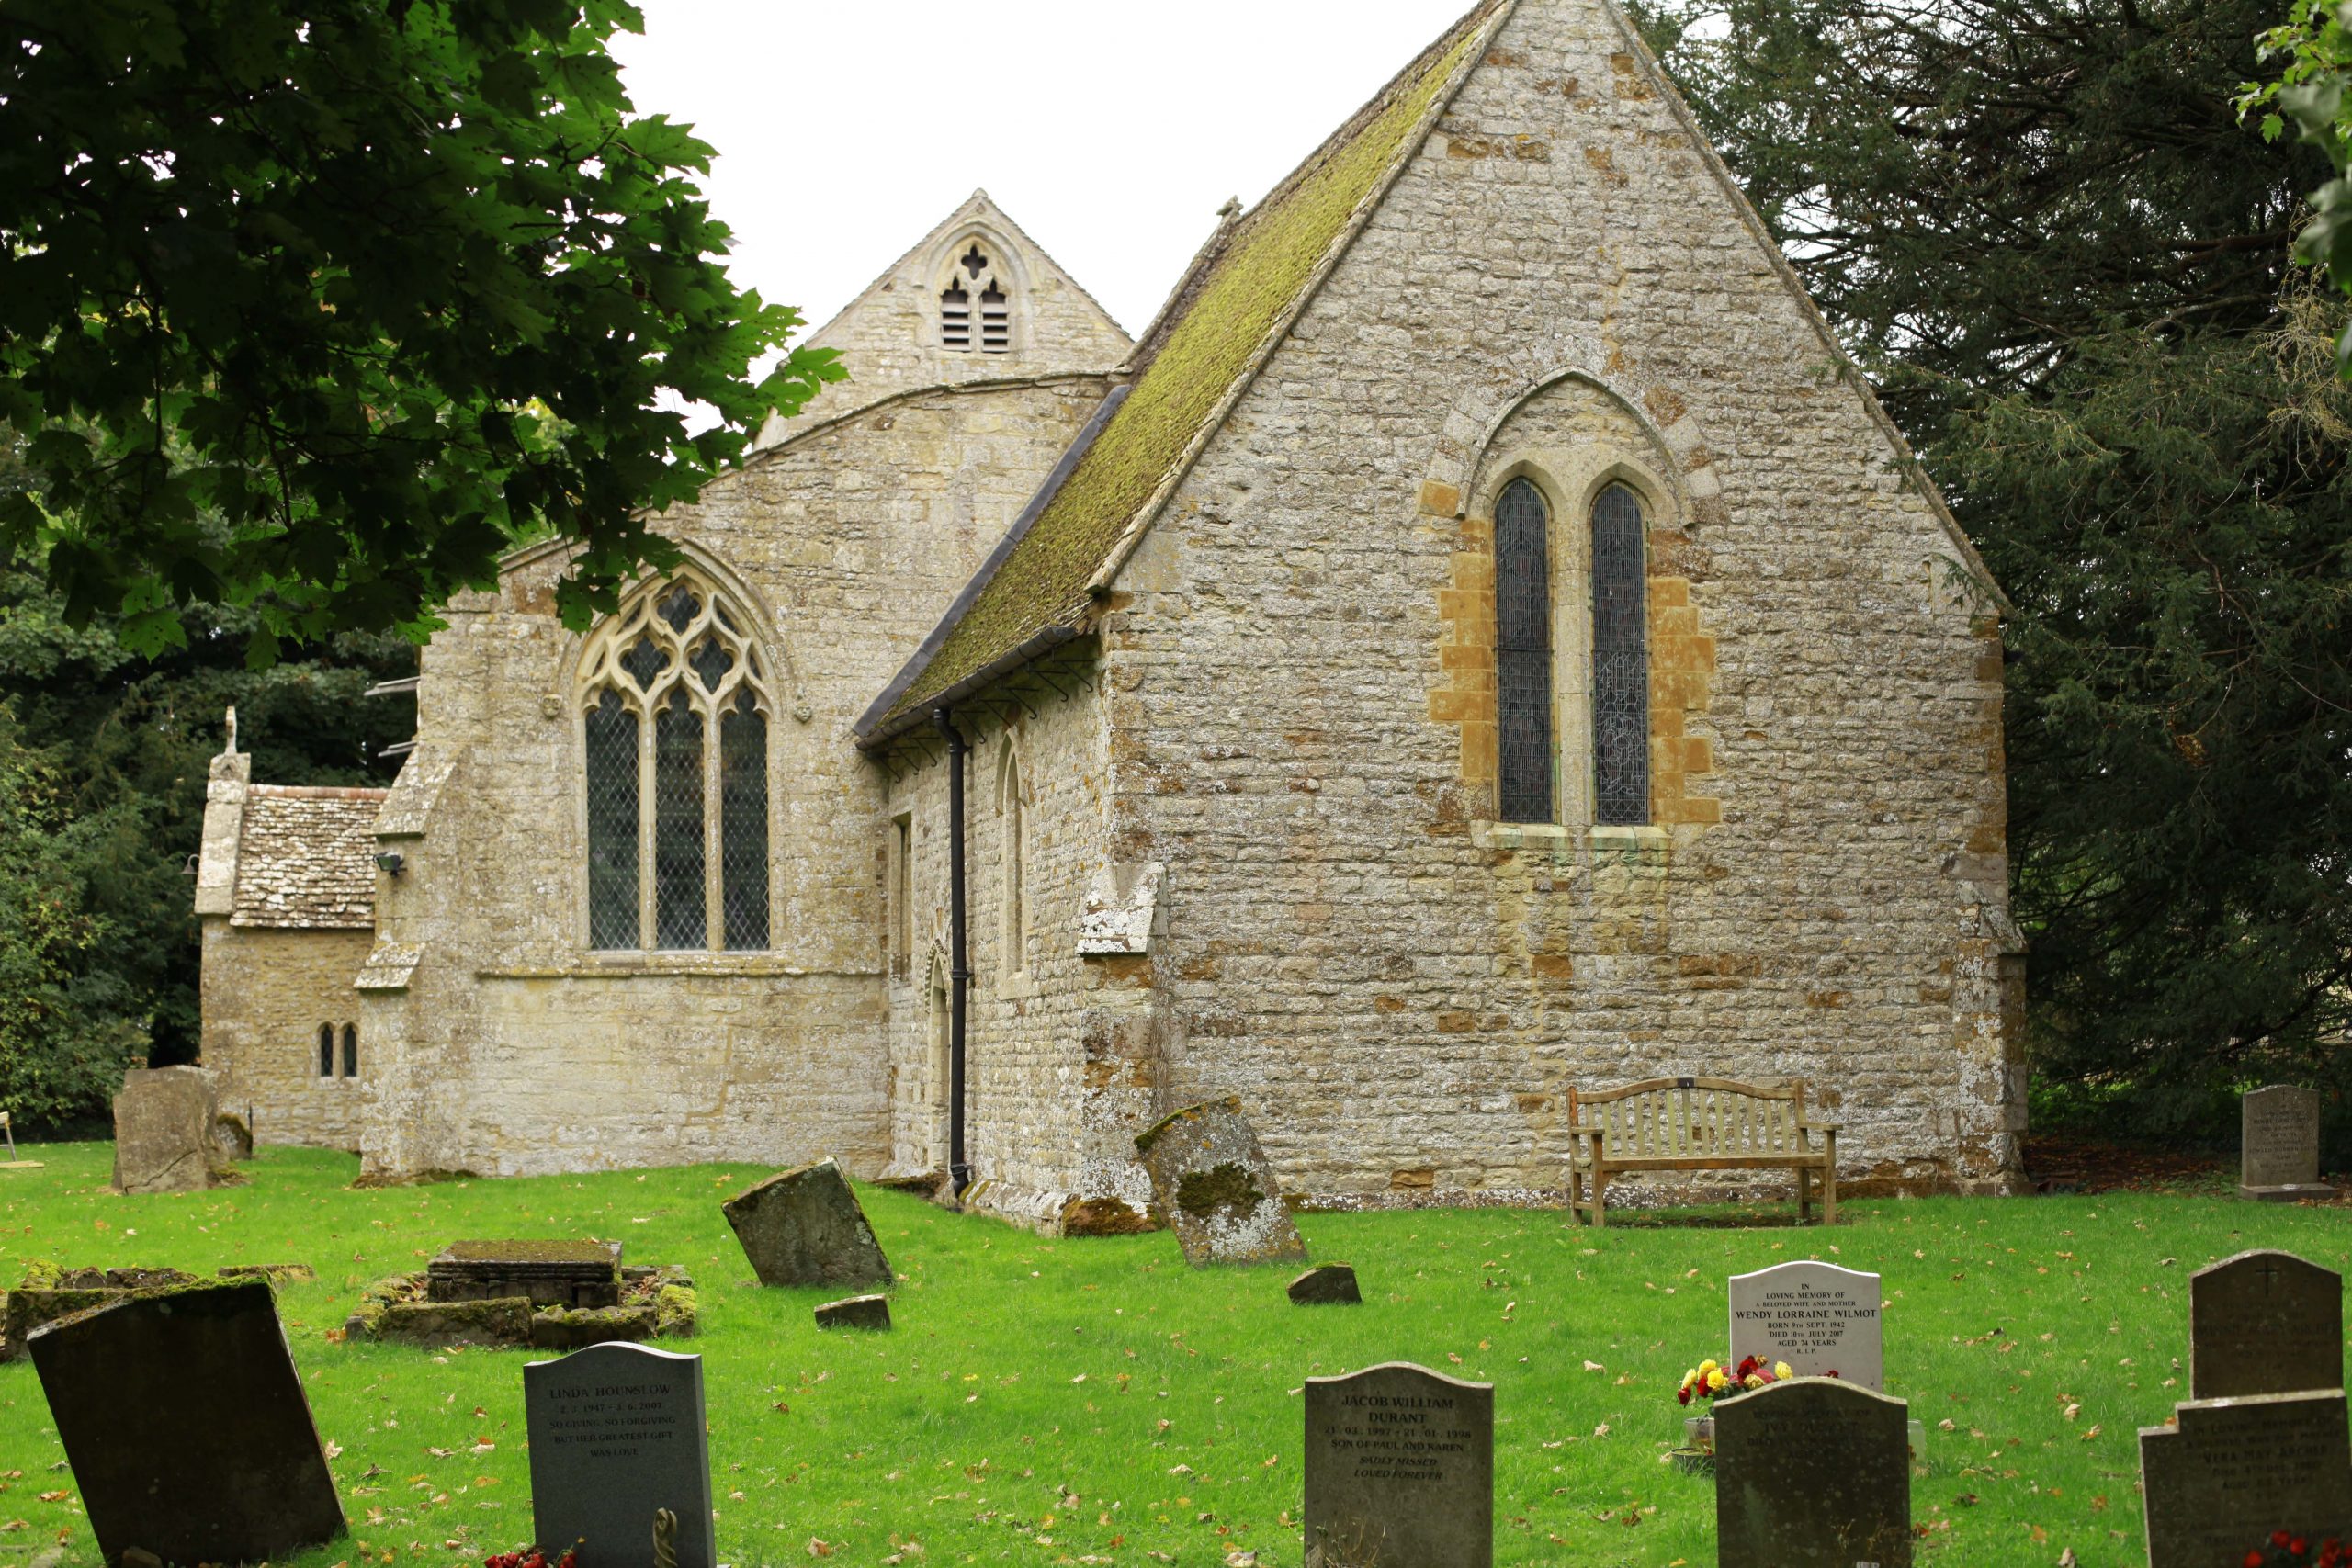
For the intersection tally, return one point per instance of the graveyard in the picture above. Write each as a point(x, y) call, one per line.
point(1098, 1401)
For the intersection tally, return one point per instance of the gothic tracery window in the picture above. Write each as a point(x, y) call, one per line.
point(1524, 654)
point(674, 706)
point(976, 271)
point(1621, 665)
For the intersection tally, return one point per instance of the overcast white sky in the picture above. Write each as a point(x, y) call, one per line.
point(1110, 129)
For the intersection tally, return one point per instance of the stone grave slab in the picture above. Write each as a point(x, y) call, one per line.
point(186, 1426)
point(1217, 1189)
point(1331, 1284)
point(616, 1434)
point(1817, 1317)
point(855, 1311)
point(2265, 1323)
point(162, 1131)
point(2235, 1470)
point(805, 1226)
point(2278, 1144)
point(545, 1272)
point(1813, 1473)
point(1400, 1469)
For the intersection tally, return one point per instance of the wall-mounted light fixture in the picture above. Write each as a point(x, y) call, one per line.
point(391, 862)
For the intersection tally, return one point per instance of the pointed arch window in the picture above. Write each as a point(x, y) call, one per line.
point(1012, 817)
point(326, 1049)
point(674, 709)
point(976, 271)
point(1621, 665)
point(350, 1050)
point(1524, 655)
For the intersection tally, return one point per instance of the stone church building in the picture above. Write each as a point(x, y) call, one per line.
point(1483, 640)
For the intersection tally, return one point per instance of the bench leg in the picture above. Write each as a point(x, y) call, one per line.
point(1829, 1188)
point(1805, 1194)
point(1599, 1197)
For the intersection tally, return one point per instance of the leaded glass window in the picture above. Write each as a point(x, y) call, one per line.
point(1524, 654)
point(1621, 664)
point(326, 1049)
point(350, 1050)
point(1013, 866)
point(674, 740)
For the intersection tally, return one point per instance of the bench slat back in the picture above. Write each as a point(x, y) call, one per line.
point(1696, 1119)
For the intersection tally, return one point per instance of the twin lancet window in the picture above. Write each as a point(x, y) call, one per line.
point(350, 1050)
point(1524, 658)
point(674, 731)
point(955, 308)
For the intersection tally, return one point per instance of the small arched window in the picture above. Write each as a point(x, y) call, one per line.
point(326, 1049)
point(350, 1050)
point(975, 270)
point(1524, 655)
point(1012, 815)
point(674, 708)
point(1621, 664)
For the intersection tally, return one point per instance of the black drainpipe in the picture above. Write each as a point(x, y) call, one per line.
point(959, 972)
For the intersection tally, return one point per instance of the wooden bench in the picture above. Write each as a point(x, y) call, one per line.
point(1696, 1125)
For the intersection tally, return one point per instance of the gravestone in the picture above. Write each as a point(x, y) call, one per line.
point(1813, 1473)
point(186, 1426)
point(1400, 1469)
point(855, 1311)
point(1817, 1317)
point(1332, 1284)
point(804, 1226)
point(618, 1434)
point(1217, 1189)
point(547, 1273)
point(2265, 1323)
point(232, 1138)
point(162, 1131)
point(2235, 1470)
point(2278, 1144)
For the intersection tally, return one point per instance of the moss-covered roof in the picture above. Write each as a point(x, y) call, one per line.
point(1218, 327)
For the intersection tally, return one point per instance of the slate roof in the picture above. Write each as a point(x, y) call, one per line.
point(1219, 326)
point(306, 858)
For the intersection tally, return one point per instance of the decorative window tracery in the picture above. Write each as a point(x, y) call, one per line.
point(675, 709)
point(975, 270)
point(1524, 655)
point(1621, 665)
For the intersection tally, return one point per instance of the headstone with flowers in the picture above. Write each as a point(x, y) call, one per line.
point(2230, 1475)
point(1700, 1388)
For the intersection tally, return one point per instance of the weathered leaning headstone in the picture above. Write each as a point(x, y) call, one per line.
point(1328, 1284)
point(1217, 1189)
point(1400, 1469)
point(617, 1435)
point(1821, 1319)
point(2235, 1470)
point(804, 1226)
point(2265, 1323)
point(187, 1429)
point(1813, 1473)
point(2278, 1144)
point(162, 1131)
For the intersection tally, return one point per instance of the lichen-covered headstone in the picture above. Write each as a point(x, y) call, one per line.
point(162, 1131)
point(1813, 1473)
point(1400, 1469)
point(232, 1140)
point(2264, 1322)
point(187, 1429)
point(1217, 1189)
point(618, 1433)
point(805, 1226)
point(2234, 1469)
point(2278, 1144)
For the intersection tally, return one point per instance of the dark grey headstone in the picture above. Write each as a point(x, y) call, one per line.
point(187, 1429)
point(805, 1227)
point(1400, 1469)
point(618, 1434)
point(2278, 1144)
point(855, 1311)
point(2265, 1323)
point(1217, 1189)
point(162, 1131)
point(1813, 1473)
point(1331, 1284)
point(2235, 1470)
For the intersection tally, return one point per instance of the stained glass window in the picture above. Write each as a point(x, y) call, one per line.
point(1522, 655)
point(743, 822)
point(1621, 665)
point(676, 745)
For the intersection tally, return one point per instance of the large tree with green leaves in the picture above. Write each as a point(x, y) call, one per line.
point(2044, 231)
point(316, 309)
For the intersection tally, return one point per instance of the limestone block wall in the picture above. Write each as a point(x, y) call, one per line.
point(516, 1048)
point(265, 992)
point(1299, 687)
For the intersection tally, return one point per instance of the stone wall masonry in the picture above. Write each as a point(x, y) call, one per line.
point(265, 993)
point(512, 1048)
point(1402, 994)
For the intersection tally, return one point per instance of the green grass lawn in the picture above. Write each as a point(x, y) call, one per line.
point(1096, 1401)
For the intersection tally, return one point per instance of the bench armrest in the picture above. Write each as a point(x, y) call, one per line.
point(1820, 1126)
